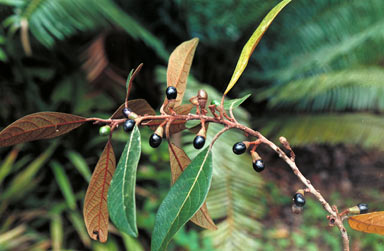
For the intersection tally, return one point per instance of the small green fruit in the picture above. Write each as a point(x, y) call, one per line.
point(105, 130)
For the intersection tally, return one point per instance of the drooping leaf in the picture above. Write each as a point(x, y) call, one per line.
point(138, 106)
point(179, 161)
point(185, 197)
point(95, 210)
point(121, 195)
point(179, 64)
point(41, 125)
point(177, 125)
point(368, 223)
point(252, 43)
point(233, 103)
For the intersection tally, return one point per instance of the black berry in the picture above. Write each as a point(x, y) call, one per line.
point(128, 125)
point(155, 140)
point(239, 148)
point(299, 200)
point(258, 165)
point(171, 92)
point(126, 111)
point(363, 208)
point(198, 142)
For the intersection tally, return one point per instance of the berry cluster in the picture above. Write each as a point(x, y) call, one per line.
point(257, 162)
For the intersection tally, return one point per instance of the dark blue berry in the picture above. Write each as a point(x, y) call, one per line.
point(171, 92)
point(363, 208)
point(126, 111)
point(258, 165)
point(239, 148)
point(155, 140)
point(128, 125)
point(198, 142)
point(299, 200)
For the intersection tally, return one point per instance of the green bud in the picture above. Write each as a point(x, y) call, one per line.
point(215, 102)
point(104, 130)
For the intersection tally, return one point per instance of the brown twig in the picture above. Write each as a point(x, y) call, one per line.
point(334, 218)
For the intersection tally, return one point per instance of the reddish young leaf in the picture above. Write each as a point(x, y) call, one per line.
point(138, 106)
point(179, 161)
point(179, 64)
point(95, 210)
point(369, 223)
point(41, 125)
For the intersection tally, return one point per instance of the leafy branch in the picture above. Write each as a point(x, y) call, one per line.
point(111, 194)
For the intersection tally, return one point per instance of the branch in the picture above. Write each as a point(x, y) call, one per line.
point(334, 218)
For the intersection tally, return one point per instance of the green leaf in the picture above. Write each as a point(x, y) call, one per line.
point(233, 103)
point(252, 43)
point(80, 164)
point(129, 79)
point(64, 184)
point(121, 194)
point(186, 196)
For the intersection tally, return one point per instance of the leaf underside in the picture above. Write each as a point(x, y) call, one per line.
point(121, 195)
point(179, 161)
point(138, 106)
point(179, 64)
point(252, 43)
point(95, 210)
point(184, 199)
point(41, 125)
point(368, 223)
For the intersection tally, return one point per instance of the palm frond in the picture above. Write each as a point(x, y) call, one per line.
point(51, 20)
point(226, 25)
point(354, 89)
point(363, 129)
point(323, 57)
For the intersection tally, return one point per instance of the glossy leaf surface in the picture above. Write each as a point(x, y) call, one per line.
point(138, 106)
point(179, 64)
point(95, 210)
point(233, 103)
point(41, 125)
point(252, 43)
point(185, 197)
point(121, 195)
point(368, 223)
point(179, 161)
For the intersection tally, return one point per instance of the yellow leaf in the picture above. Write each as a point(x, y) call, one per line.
point(252, 43)
point(369, 223)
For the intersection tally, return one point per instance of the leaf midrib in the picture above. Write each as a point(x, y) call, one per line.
point(190, 190)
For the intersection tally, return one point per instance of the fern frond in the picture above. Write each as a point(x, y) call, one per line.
point(51, 20)
point(362, 129)
point(354, 89)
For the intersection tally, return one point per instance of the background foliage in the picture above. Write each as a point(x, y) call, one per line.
point(316, 77)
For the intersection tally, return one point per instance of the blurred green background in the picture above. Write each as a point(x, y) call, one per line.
point(316, 77)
